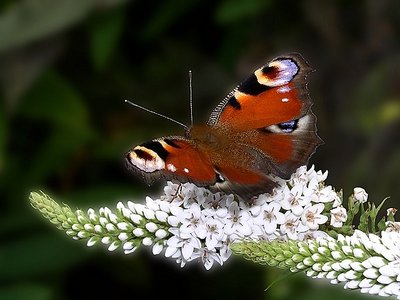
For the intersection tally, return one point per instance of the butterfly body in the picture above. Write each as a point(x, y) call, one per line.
point(263, 128)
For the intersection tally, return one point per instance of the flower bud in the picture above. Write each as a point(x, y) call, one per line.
point(360, 195)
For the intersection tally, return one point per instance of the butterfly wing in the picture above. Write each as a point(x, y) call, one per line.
point(273, 94)
point(181, 159)
point(269, 115)
point(171, 158)
point(241, 176)
point(264, 127)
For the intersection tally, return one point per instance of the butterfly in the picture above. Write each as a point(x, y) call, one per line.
point(263, 129)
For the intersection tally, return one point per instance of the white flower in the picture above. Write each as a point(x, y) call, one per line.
point(173, 244)
point(321, 176)
point(215, 205)
point(237, 221)
point(207, 257)
point(186, 246)
point(193, 222)
point(313, 235)
point(189, 223)
point(325, 195)
point(292, 226)
point(393, 226)
point(157, 248)
point(215, 233)
point(189, 246)
point(391, 240)
point(254, 205)
point(171, 192)
point(374, 269)
point(338, 216)
point(360, 195)
point(293, 200)
point(312, 217)
point(225, 251)
point(270, 217)
point(189, 195)
point(300, 177)
point(311, 187)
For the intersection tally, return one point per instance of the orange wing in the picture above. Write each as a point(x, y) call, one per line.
point(179, 158)
point(286, 146)
point(264, 127)
point(171, 158)
point(272, 109)
point(273, 94)
point(241, 180)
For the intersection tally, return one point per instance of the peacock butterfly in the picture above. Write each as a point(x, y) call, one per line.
point(264, 127)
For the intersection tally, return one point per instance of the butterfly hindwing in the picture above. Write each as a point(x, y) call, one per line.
point(241, 180)
point(288, 145)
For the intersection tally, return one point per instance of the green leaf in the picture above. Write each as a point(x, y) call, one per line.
point(382, 224)
point(374, 100)
point(232, 44)
point(54, 99)
point(364, 220)
point(374, 214)
point(27, 21)
point(105, 32)
point(3, 138)
point(231, 11)
point(38, 255)
point(390, 217)
point(166, 14)
point(26, 291)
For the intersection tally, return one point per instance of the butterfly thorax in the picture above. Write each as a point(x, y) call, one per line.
point(221, 144)
point(206, 136)
point(203, 134)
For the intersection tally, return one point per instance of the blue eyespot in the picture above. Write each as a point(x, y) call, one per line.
point(289, 126)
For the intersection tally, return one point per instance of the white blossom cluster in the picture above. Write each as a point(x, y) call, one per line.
point(287, 229)
point(189, 223)
point(367, 262)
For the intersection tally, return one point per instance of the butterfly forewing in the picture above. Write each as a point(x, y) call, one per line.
point(171, 158)
point(273, 94)
point(274, 109)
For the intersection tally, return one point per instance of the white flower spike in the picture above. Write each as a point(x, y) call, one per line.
point(190, 223)
point(303, 221)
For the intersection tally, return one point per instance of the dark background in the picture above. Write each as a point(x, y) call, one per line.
point(67, 65)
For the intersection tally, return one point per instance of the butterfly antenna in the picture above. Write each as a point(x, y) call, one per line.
point(156, 113)
point(191, 97)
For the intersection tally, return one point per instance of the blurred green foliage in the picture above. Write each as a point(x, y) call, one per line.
point(66, 67)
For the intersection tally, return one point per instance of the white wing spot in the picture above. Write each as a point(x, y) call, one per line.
point(286, 70)
point(155, 163)
point(171, 167)
point(186, 170)
point(285, 100)
point(283, 89)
